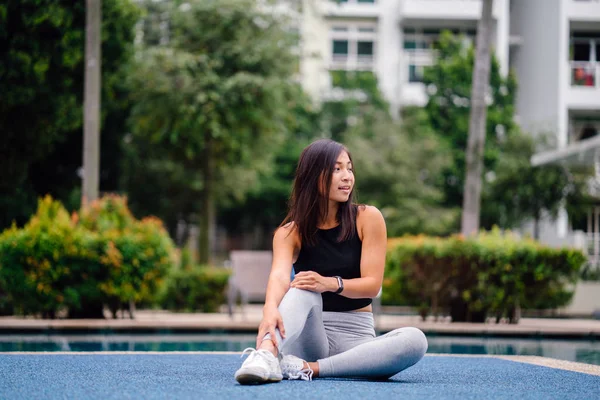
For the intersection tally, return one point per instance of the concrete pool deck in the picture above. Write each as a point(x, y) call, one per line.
point(161, 321)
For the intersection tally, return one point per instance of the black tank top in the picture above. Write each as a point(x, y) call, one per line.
point(328, 257)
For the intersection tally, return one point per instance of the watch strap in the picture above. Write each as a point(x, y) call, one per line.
point(340, 285)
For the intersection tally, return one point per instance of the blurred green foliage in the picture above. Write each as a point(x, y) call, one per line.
point(195, 289)
point(41, 81)
point(448, 86)
point(513, 190)
point(212, 101)
point(492, 274)
point(82, 262)
point(396, 162)
point(215, 125)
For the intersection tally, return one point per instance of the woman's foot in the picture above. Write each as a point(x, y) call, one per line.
point(293, 367)
point(261, 366)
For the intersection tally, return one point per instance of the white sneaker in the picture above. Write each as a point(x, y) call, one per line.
point(293, 368)
point(261, 366)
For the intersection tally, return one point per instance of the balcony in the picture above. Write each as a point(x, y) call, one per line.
point(584, 85)
point(441, 9)
point(583, 10)
point(351, 63)
point(351, 9)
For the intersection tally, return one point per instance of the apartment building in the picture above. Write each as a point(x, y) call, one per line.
point(565, 98)
point(393, 38)
point(553, 46)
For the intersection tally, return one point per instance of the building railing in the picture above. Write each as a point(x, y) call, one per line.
point(352, 63)
point(585, 74)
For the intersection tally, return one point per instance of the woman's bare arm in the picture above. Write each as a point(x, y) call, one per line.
point(285, 244)
point(372, 262)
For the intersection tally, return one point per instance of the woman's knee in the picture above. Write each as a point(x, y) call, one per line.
point(306, 297)
point(411, 341)
point(418, 340)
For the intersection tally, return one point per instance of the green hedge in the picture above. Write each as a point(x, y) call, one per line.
point(195, 289)
point(80, 263)
point(492, 274)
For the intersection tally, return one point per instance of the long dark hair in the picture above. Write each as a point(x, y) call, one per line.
point(308, 203)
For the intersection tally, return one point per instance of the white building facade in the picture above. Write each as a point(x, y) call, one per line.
point(553, 46)
point(392, 38)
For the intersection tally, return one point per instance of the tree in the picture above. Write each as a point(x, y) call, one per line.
point(261, 210)
point(397, 165)
point(512, 190)
point(448, 84)
point(41, 81)
point(477, 123)
point(355, 96)
point(214, 97)
point(523, 191)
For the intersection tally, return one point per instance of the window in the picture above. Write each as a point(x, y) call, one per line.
point(419, 45)
point(431, 32)
point(365, 48)
point(352, 46)
point(415, 73)
point(581, 51)
point(339, 29)
point(585, 46)
point(413, 44)
point(583, 127)
point(340, 47)
point(584, 57)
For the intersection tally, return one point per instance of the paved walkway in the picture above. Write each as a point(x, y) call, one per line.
point(249, 320)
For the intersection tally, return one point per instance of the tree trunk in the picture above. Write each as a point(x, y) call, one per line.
point(477, 123)
point(207, 204)
point(536, 227)
point(91, 96)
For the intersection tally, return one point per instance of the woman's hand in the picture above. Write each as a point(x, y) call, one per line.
point(271, 320)
point(311, 281)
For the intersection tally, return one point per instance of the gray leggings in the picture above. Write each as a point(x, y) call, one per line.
point(344, 343)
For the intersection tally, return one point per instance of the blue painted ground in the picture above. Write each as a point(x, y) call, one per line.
point(210, 376)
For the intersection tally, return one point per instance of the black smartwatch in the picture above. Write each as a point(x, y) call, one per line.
point(340, 285)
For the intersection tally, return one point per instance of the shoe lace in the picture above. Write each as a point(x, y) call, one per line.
point(304, 374)
point(253, 352)
point(250, 350)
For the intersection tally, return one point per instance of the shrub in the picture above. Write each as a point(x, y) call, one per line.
point(197, 288)
point(80, 263)
point(47, 265)
point(137, 254)
point(490, 274)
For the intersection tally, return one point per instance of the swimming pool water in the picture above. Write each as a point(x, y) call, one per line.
point(570, 350)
